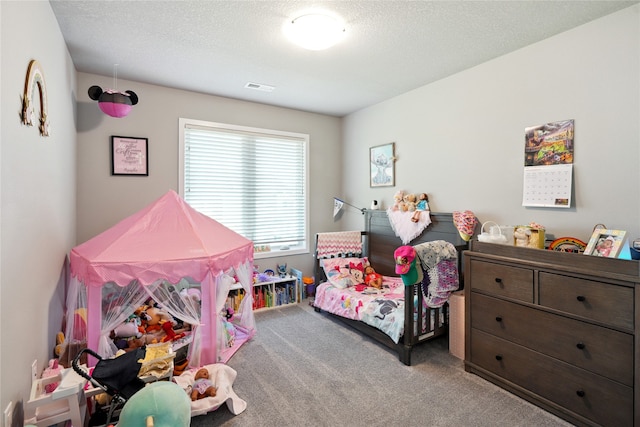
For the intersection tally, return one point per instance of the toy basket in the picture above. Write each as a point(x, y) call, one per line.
point(492, 236)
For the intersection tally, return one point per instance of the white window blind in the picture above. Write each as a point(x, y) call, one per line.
point(253, 181)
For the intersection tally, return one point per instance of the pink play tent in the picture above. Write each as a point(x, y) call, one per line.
point(165, 251)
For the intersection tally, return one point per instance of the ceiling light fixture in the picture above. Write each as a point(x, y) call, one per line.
point(315, 31)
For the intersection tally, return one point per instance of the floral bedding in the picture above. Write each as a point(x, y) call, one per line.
point(380, 308)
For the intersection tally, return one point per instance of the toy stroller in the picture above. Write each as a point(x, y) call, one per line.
point(118, 377)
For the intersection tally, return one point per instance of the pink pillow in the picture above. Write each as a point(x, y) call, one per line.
point(344, 272)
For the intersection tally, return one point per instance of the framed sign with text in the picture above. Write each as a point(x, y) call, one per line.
point(129, 156)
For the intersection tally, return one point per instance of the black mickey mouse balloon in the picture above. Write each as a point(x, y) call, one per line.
point(112, 102)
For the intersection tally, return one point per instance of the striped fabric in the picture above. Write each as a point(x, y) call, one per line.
point(338, 243)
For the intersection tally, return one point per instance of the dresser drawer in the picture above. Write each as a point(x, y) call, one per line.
point(602, 302)
point(605, 402)
point(597, 349)
point(502, 280)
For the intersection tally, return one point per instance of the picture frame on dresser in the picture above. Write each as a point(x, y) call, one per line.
point(605, 243)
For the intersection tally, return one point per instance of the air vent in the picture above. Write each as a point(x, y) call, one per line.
point(258, 86)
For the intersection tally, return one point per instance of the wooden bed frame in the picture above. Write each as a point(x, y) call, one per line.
point(380, 242)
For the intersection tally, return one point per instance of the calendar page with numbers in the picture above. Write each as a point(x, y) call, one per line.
point(547, 186)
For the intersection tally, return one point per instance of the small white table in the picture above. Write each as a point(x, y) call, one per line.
point(66, 402)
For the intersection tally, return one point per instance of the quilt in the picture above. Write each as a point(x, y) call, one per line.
point(381, 308)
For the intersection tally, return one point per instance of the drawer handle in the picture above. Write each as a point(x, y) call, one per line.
point(581, 346)
point(498, 357)
point(580, 393)
point(498, 318)
point(580, 298)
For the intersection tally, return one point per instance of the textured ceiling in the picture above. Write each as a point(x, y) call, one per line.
point(391, 47)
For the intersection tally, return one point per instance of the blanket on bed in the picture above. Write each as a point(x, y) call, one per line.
point(380, 308)
point(439, 262)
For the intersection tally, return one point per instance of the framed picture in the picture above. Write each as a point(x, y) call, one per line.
point(605, 243)
point(382, 165)
point(129, 156)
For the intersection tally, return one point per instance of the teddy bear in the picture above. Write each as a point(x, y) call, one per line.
point(398, 201)
point(410, 202)
point(521, 236)
point(371, 278)
point(202, 386)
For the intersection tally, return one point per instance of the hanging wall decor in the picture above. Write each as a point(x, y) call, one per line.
point(382, 166)
point(112, 102)
point(129, 156)
point(35, 79)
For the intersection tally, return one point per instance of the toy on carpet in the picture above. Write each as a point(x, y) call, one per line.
point(202, 386)
point(371, 278)
point(160, 404)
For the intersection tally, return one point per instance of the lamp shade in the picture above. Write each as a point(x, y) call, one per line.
point(315, 31)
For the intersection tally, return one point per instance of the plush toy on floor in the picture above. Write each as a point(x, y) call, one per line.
point(202, 386)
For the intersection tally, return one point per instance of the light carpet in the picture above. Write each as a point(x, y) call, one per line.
point(308, 369)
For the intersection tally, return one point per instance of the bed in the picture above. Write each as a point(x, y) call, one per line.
point(382, 313)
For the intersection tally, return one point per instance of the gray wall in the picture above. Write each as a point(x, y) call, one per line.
point(461, 139)
point(103, 200)
point(37, 194)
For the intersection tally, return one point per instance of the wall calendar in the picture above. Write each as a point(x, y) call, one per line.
point(548, 165)
point(547, 186)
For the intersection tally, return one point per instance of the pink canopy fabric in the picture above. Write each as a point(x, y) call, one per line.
point(166, 240)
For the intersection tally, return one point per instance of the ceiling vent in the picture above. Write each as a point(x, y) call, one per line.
point(259, 86)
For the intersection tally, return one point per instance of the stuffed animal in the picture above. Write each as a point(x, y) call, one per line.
point(521, 236)
point(282, 270)
point(155, 319)
point(126, 330)
point(398, 200)
point(410, 200)
point(371, 278)
point(202, 386)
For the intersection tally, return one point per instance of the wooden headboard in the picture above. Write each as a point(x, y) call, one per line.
point(382, 242)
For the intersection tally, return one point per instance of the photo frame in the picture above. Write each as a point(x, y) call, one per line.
point(129, 156)
point(605, 243)
point(382, 165)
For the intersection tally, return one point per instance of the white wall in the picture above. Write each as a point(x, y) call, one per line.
point(37, 189)
point(103, 200)
point(461, 139)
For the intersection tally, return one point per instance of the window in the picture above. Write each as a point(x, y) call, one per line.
point(253, 181)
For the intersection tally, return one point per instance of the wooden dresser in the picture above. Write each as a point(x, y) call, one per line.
point(557, 329)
